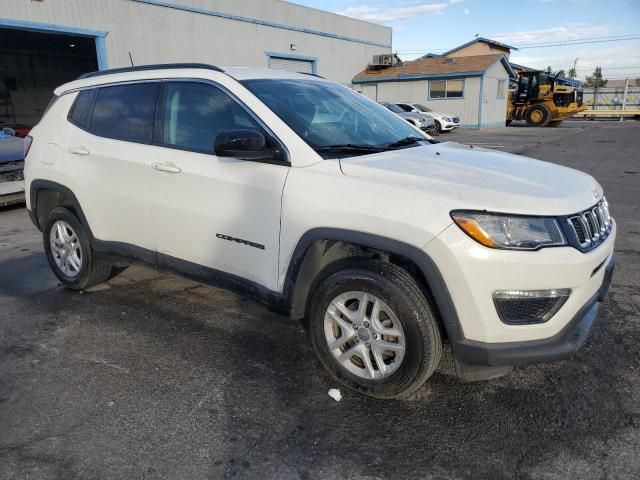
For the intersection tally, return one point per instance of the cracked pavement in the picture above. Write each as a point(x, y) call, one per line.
point(155, 376)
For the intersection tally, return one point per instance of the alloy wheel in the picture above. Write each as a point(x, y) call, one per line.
point(65, 249)
point(364, 335)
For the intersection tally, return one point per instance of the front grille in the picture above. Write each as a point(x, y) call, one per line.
point(591, 226)
point(456, 119)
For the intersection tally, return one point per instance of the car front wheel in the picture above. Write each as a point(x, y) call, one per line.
point(374, 330)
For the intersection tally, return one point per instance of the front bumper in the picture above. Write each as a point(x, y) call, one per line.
point(446, 126)
point(562, 345)
point(483, 345)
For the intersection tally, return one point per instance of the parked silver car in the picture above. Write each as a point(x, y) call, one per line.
point(423, 122)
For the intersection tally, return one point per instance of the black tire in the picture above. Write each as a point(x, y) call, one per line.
point(92, 270)
point(538, 115)
point(437, 126)
point(397, 288)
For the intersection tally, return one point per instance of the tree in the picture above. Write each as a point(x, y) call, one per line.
point(596, 80)
point(572, 73)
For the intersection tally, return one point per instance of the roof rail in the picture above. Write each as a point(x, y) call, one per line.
point(313, 75)
point(141, 68)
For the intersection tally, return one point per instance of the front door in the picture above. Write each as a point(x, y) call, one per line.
point(207, 211)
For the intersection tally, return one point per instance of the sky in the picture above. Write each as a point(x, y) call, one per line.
point(604, 33)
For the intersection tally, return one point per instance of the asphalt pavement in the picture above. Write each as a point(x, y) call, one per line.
point(154, 376)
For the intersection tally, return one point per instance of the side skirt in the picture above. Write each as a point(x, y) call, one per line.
point(117, 252)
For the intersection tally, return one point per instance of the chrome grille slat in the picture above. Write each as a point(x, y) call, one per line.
point(591, 225)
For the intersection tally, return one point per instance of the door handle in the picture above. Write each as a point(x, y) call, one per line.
point(163, 167)
point(78, 150)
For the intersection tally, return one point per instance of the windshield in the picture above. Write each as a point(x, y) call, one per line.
point(327, 116)
point(393, 107)
point(423, 108)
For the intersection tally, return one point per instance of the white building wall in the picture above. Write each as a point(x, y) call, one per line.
point(418, 92)
point(494, 109)
point(157, 34)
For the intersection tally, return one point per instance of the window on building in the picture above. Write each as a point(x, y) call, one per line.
point(502, 88)
point(446, 88)
point(125, 112)
point(194, 113)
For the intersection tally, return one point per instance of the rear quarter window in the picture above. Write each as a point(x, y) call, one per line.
point(80, 113)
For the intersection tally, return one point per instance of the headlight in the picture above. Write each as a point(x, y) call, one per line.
point(446, 119)
point(512, 232)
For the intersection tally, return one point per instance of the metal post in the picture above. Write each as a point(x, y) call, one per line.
point(624, 98)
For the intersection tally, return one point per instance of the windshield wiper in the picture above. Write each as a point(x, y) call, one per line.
point(407, 141)
point(351, 147)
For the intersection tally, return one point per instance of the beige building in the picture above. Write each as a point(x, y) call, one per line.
point(44, 43)
point(470, 82)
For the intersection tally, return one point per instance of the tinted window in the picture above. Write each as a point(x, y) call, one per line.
point(125, 112)
point(80, 112)
point(393, 107)
point(405, 107)
point(194, 113)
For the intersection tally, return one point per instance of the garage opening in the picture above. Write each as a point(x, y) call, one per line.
point(299, 66)
point(32, 65)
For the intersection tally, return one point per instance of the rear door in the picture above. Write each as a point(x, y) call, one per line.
point(209, 211)
point(108, 148)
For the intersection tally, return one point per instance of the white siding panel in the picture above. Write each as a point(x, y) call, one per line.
point(494, 109)
point(155, 34)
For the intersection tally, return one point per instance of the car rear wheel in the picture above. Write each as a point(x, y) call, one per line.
point(69, 253)
point(374, 330)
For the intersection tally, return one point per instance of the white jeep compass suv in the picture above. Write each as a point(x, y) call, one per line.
point(322, 204)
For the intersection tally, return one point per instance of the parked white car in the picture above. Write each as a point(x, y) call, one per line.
point(324, 205)
point(444, 122)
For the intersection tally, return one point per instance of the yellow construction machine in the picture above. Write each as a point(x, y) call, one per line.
point(542, 99)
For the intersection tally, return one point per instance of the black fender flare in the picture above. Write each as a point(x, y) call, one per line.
point(428, 268)
point(37, 185)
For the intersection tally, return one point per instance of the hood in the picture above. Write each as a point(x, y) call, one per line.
point(11, 149)
point(481, 179)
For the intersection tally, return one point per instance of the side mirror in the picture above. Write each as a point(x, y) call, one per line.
point(9, 131)
point(245, 144)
